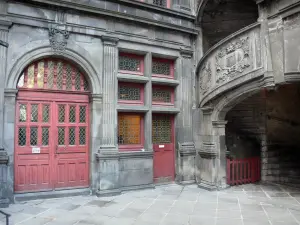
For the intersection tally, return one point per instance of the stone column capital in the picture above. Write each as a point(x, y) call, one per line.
point(207, 110)
point(96, 97)
point(5, 24)
point(186, 53)
point(219, 124)
point(10, 92)
point(108, 40)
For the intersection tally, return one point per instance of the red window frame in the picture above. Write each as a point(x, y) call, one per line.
point(171, 64)
point(132, 102)
point(133, 147)
point(139, 57)
point(164, 88)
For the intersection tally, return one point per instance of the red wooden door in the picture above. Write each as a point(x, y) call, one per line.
point(51, 142)
point(163, 146)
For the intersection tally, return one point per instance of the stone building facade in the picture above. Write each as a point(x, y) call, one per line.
point(105, 96)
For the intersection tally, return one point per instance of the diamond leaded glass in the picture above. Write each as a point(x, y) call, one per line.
point(82, 114)
point(59, 82)
point(22, 136)
point(69, 78)
point(162, 68)
point(23, 113)
point(77, 81)
point(30, 75)
point(129, 63)
point(129, 129)
point(46, 109)
point(72, 114)
point(160, 95)
point(61, 136)
point(82, 135)
point(50, 76)
point(162, 3)
point(129, 93)
point(61, 113)
point(34, 113)
point(45, 136)
point(33, 136)
point(40, 75)
point(161, 129)
point(72, 136)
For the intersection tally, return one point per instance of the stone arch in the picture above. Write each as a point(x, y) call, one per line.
point(43, 52)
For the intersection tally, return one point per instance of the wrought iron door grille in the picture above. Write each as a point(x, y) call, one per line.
point(159, 95)
point(162, 68)
point(161, 129)
point(129, 93)
point(129, 63)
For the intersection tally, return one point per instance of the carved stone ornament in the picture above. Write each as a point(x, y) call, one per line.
point(232, 60)
point(205, 78)
point(58, 39)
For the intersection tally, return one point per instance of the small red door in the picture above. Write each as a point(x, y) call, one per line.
point(163, 146)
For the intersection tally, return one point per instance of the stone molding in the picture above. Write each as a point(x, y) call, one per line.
point(108, 40)
point(186, 53)
point(5, 24)
point(187, 149)
point(96, 97)
point(208, 150)
point(207, 110)
point(123, 155)
point(219, 124)
point(10, 92)
point(4, 159)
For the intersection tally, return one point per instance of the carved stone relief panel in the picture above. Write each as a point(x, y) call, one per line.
point(205, 78)
point(232, 60)
point(58, 38)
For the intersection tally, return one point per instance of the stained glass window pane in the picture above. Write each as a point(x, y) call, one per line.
point(40, 75)
point(61, 136)
point(129, 63)
point(129, 93)
point(160, 95)
point(30, 75)
point(69, 78)
point(162, 3)
point(82, 135)
point(22, 136)
point(46, 113)
point(82, 114)
point(45, 136)
point(162, 68)
point(61, 113)
point(50, 75)
point(129, 129)
point(72, 114)
point(23, 113)
point(34, 113)
point(72, 136)
point(161, 129)
point(33, 136)
point(59, 79)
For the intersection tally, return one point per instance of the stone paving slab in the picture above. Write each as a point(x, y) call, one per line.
point(167, 205)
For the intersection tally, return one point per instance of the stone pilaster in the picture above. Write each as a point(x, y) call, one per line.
point(109, 113)
point(5, 188)
point(148, 102)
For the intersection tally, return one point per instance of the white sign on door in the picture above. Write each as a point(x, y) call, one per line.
point(36, 150)
point(161, 146)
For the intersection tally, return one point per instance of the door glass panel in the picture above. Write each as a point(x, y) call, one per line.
point(72, 136)
point(82, 135)
point(82, 114)
point(33, 136)
point(22, 136)
point(61, 113)
point(45, 136)
point(72, 114)
point(23, 113)
point(46, 113)
point(34, 113)
point(161, 129)
point(61, 136)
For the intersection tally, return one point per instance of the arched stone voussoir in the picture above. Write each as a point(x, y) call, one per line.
point(77, 55)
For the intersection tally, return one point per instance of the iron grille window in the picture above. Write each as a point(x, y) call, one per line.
point(129, 129)
point(161, 67)
point(161, 95)
point(129, 63)
point(129, 93)
point(162, 3)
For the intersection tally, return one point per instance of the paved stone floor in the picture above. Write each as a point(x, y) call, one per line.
point(168, 205)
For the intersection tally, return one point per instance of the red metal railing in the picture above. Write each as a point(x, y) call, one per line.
point(243, 171)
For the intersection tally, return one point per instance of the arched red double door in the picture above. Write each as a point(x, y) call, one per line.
point(52, 127)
